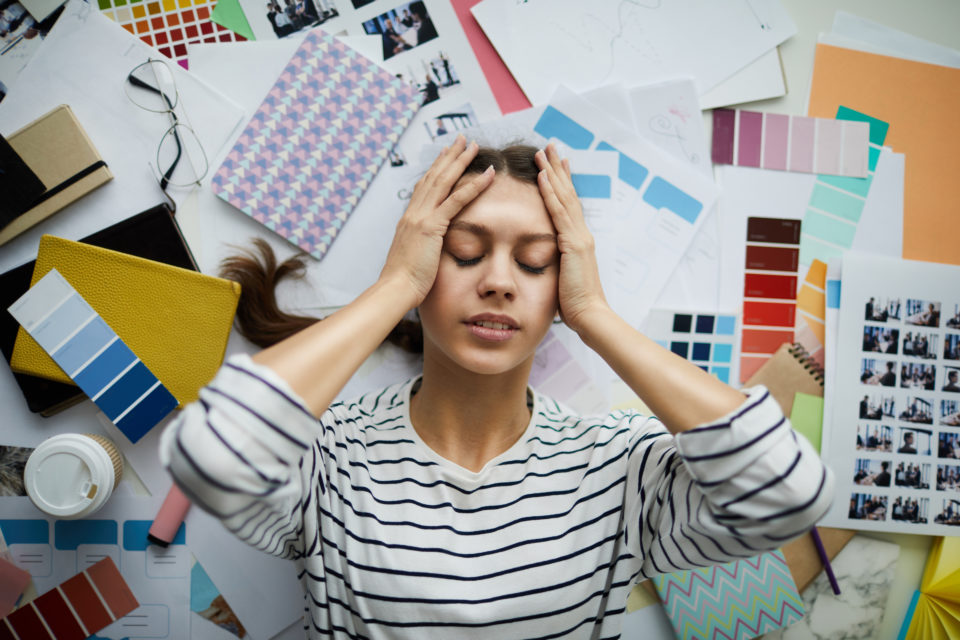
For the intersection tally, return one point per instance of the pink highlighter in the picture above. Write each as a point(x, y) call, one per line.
point(169, 518)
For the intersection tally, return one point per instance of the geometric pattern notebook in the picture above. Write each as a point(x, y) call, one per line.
point(734, 601)
point(316, 142)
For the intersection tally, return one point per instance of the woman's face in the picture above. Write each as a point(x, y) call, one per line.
point(495, 294)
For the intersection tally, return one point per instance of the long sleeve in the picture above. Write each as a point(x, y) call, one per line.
point(236, 453)
point(739, 486)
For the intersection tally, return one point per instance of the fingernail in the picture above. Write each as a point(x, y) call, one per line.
point(489, 170)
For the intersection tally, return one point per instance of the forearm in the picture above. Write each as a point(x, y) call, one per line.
point(680, 394)
point(318, 361)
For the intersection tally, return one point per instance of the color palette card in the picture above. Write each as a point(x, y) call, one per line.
point(790, 143)
point(769, 290)
point(316, 142)
point(836, 203)
point(810, 329)
point(76, 609)
point(13, 582)
point(706, 339)
point(92, 354)
point(169, 25)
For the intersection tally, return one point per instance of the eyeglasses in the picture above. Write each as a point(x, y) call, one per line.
point(151, 86)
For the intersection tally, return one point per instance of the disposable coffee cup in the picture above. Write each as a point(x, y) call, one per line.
point(72, 475)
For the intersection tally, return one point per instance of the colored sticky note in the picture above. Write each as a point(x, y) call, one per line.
point(807, 417)
point(93, 355)
point(920, 102)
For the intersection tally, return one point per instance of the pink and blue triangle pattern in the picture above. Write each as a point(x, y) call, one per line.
point(316, 142)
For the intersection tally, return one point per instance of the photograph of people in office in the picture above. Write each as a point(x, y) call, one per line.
point(880, 340)
point(921, 344)
point(874, 438)
point(950, 413)
point(912, 475)
point(948, 477)
point(290, 16)
point(864, 506)
point(461, 482)
point(403, 28)
point(908, 441)
point(882, 309)
point(456, 119)
point(950, 514)
point(922, 313)
point(949, 446)
point(913, 510)
point(872, 472)
point(874, 406)
point(878, 372)
point(951, 346)
point(918, 376)
point(953, 322)
point(918, 410)
point(951, 380)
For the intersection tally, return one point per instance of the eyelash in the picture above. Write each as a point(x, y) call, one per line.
point(472, 261)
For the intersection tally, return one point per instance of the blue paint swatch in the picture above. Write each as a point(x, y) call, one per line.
point(25, 531)
point(722, 352)
point(704, 324)
point(89, 351)
point(679, 348)
point(555, 124)
point(663, 195)
point(681, 322)
point(726, 325)
point(833, 294)
point(701, 351)
point(723, 373)
point(135, 535)
point(590, 185)
point(70, 534)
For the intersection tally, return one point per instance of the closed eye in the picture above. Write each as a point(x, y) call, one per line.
point(466, 263)
point(536, 270)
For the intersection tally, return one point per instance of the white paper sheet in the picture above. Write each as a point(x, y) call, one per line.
point(546, 43)
point(759, 80)
point(874, 37)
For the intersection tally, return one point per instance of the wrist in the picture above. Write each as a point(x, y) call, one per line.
point(592, 319)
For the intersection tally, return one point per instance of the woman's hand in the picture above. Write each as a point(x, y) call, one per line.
point(414, 255)
point(580, 289)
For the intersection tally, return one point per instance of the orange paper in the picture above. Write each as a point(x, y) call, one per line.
point(922, 104)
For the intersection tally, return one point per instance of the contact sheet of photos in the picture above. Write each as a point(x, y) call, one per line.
point(894, 436)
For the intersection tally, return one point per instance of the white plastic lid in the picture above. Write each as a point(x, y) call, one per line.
point(69, 476)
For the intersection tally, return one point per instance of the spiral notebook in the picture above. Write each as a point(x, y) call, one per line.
point(790, 370)
point(316, 142)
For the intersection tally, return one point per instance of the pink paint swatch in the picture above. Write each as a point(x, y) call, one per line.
point(791, 143)
point(13, 580)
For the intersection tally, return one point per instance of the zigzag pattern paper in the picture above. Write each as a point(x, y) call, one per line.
point(734, 601)
point(316, 142)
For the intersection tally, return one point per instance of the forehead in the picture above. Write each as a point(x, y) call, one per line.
point(508, 204)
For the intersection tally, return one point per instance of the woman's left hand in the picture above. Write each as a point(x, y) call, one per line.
point(580, 288)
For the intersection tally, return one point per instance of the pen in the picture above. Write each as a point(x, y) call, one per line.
point(825, 560)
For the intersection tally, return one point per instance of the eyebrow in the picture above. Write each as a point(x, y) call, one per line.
point(480, 230)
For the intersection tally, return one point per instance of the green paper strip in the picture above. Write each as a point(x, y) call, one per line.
point(807, 417)
point(229, 14)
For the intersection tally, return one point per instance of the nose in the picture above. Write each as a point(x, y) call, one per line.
point(498, 277)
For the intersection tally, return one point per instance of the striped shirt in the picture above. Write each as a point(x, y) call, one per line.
point(392, 540)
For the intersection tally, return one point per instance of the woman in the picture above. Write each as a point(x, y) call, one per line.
point(462, 504)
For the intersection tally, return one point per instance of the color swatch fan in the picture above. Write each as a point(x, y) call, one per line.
point(934, 612)
point(316, 142)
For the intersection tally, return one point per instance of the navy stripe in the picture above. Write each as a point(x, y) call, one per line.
point(262, 419)
point(745, 445)
point(293, 401)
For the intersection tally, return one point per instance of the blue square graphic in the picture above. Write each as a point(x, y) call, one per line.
point(721, 372)
point(726, 325)
point(701, 351)
point(722, 352)
point(704, 324)
point(679, 348)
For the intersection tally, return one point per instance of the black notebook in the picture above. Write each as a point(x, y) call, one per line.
point(152, 234)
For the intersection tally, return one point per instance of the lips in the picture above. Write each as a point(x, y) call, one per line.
point(492, 327)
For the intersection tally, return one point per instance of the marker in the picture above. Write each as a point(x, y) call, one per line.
point(169, 518)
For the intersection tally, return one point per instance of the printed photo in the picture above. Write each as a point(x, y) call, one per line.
point(874, 438)
point(451, 121)
point(918, 376)
point(875, 406)
point(12, 462)
point(950, 413)
point(948, 477)
point(403, 28)
point(949, 446)
point(914, 440)
point(953, 321)
point(951, 380)
point(880, 340)
point(917, 409)
point(912, 510)
point(361, 3)
point(920, 344)
point(290, 16)
point(950, 513)
point(434, 78)
point(912, 475)
point(872, 473)
point(951, 346)
point(864, 506)
point(882, 309)
point(878, 372)
point(922, 313)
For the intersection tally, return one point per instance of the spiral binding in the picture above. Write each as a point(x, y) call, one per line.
point(803, 356)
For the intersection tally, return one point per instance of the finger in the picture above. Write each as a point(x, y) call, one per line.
point(556, 209)
point(558, 175)
point(444, 158)
point(465, 194)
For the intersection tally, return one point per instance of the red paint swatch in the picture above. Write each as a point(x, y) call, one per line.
point(73, 611)
point(13, 580)
point(772, 258)
point(766, 285)
point(757, 341)
point(769, 314)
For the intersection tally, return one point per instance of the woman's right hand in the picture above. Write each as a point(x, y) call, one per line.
point(414, 255)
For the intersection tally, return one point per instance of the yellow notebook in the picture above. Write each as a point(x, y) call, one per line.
point(177, 321)
point(934, 612)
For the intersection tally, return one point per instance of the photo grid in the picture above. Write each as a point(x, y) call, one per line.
point(907, 467)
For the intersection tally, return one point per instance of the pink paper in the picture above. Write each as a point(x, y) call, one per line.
point(13, 580)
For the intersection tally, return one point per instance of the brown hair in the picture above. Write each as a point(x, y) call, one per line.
point(260, 319)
